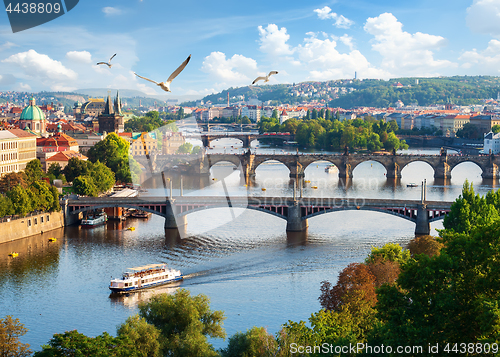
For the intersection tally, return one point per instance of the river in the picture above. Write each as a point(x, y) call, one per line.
point(247, 265)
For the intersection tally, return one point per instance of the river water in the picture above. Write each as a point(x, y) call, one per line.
point(247, 265)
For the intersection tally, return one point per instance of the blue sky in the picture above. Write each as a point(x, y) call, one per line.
point(232, 43)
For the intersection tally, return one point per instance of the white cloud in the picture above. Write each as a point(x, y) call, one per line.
point(483, 16)
point(340, 21)
point(79, 56)
point(324, 61)
point(39, 65)
point(24, 87)
point(7, 45)
point(273, 40)
point(404, 53)
point(236, 70)
point(111, 11)
point(488, 60)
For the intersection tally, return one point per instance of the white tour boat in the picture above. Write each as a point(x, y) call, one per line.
point(144, 277)
point(331, 168)
point(94, 220)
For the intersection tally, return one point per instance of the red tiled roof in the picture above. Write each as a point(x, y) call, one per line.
point(66, 155)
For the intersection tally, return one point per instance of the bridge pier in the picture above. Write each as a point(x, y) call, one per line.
point(393, 171)
point(171, 221)
point(294, 221)
point(345, 171)
point(442, 171)
point(423, 227)
point(490, 172)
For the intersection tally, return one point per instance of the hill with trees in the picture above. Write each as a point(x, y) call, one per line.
point(459, 90)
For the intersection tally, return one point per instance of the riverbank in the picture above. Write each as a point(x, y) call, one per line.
point(33, 224)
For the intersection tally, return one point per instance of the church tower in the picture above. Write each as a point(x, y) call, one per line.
point(111, 119)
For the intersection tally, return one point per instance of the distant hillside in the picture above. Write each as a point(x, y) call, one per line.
point(103, 92)
point(460, 90)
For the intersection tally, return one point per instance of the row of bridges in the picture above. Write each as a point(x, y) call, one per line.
point(442, 164)
point(296, 211)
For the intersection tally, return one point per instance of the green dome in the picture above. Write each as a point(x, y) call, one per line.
point(32, 112)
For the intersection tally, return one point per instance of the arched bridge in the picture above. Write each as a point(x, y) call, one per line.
point(295, 211)
point(246, 138)
point(297, 163)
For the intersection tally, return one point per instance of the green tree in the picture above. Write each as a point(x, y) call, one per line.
point(185, 323)
point(75, 344)
point(392, 142)
point(20, 199)
point(8, 181)
point(34, 170)
point(102, 176)
point(255, 342)
point(85, 186)
point(10, 331)
point(56, 170)
point(6, 206)
point(469, 211)
point(495, 129)
point(43, 199)
point(447, 298)
point(75, 168)
point(139, 338)
point(185, 148)
point(113, 152)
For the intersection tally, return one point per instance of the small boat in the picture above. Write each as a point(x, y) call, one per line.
point(52, 239)
point(131, 229)
point(412, 185)
point(141, 214)
point(144, 277)
point(263, 189)
point(331, 168)
point(314, 187)
point(94, 220)
point(13, 254)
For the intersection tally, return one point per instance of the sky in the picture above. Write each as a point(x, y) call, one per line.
point(231, 43)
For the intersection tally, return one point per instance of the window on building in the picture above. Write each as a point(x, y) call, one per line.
point(48, 218)
point(29, 222)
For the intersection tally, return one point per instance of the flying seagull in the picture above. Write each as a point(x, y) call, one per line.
point(166, 85)
point(266, 78)
point(107, 63)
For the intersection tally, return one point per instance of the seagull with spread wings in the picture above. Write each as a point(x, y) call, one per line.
point(108, 63)
point(266, 78)
point(166, 85)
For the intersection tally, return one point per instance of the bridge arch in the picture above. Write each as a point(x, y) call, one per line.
point(260, 209)
point(378, 165)
point(427, 165)
point(478, 164)
point(141, 207)
point(271, 160)
point(411, 216)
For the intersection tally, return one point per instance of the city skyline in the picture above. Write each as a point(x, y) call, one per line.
point(232, 43)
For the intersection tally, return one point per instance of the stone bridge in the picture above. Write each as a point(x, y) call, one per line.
point(246, 138)
point(297, 163)
point(296, 211)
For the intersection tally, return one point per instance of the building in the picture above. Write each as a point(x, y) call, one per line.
point(87, 140)
point(32, 118)
point(171, 142)
point(62, 158)
point(491, 143)
point(484, 123)
point(450, 124)
point(17, 148)
point(252, 112)
point(26, 147)
point(93, 108)
point(284, 117)
point(111, 119)
point(48, 147)
point(144, 143)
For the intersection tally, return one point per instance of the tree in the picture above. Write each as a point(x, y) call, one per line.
point(10, 331)
point(6, 206)
point(446, 298)
point(139, 338)
point(8, 181)
point(185, 323)
point(84, 185)
point(469, 210)
point(20, 199)
point(424, 245)
point(112, 152)
point(75, 168)
point(392, 142)
point(56, 170)
point(185, 148)
point(34, 170)
point(355, 283)
point(495, 129)
point(102, 176)
point(75, 344)
point(255, 342)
